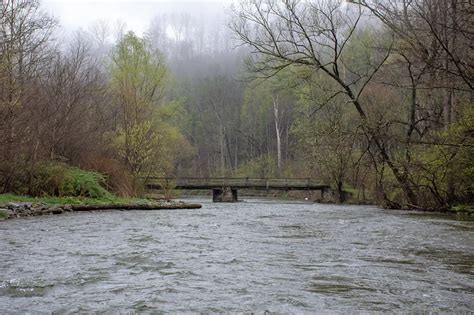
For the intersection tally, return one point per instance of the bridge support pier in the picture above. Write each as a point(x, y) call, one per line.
point(225, 194)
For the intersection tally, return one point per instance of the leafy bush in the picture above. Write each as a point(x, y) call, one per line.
point(119, 179)
point(77, 182)
point(58, 179)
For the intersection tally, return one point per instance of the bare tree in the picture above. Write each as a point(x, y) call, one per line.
point(436, 47)
point(70, 102)
point(440, 31)
point(24, 35)
point(314, 35)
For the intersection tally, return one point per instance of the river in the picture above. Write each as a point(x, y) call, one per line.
point(253, 256)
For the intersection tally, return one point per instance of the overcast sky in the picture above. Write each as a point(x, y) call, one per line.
point(137, 14)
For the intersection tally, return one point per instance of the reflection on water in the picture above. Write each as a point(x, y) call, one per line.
point(257, 255)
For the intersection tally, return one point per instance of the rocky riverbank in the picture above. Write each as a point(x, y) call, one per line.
point(27, 209)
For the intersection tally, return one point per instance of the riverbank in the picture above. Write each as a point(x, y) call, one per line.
point(329, 198)
point(462, 209)
point(14, 206)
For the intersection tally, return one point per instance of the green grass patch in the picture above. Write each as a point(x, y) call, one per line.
point(109, 199)
point(462, 208)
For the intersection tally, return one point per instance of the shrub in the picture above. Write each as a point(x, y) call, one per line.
point(78, 182)
point(57, 179)
point(118, 179)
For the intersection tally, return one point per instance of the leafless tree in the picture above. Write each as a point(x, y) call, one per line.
point(439, 31)
point(24, 35)
point(314, 35)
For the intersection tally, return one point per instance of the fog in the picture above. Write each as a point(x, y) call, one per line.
point(135, 14)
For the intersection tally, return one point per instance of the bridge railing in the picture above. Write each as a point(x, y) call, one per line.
point(235, 181)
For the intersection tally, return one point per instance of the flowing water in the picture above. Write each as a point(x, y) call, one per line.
point(259, 255)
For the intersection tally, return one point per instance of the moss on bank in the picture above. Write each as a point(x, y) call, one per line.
point(109, 199)
point(14, 206)
point(462, 209)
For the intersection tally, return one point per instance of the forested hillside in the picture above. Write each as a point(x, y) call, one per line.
point(372, 97)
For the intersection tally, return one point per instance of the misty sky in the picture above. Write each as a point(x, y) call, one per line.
point(137, 14)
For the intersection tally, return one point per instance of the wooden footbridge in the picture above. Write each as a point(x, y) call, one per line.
point(225, 188)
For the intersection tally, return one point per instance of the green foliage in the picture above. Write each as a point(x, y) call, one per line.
point(448, 166)
point(152, 147)
point(109, 199)
point(77, 182)
point(46, 178)
point(173, 146)
point(57, 179)
point(138, 77)
point(260, 167)
point(148, 137)
point(138, 145)
point(440, 172)
point(464, 209)
point(326, 133)
point(137, 81)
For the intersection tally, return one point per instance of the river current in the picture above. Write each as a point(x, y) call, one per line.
point(253, 256)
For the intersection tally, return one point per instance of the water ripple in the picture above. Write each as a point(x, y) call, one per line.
point(255, 256)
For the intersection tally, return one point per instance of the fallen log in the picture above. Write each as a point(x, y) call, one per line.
point(164, 206)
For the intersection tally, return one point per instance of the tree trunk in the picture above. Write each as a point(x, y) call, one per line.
point(277, 130)
point(340, 192)
point(222, 146)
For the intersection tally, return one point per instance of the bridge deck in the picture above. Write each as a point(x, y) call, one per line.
point(191, 183)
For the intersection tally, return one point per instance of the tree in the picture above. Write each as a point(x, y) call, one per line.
point(433, 40)
point(24, 35)
point(314, 35)
point(70, 105)
point(138, 78)
point(439, 31)
point(218, 105)
point(405, 81)
point(328, 140)
point(266, 116)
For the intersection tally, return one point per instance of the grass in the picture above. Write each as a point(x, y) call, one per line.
point(463, 208)
point(110, 199)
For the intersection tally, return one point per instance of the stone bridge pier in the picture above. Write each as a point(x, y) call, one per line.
point(224, 194)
